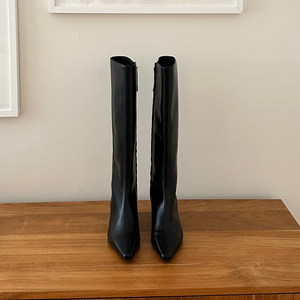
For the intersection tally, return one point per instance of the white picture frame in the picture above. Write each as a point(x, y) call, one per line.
point(9, 104)
point(195, 7)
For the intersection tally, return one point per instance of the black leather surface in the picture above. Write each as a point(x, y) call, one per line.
point(167, 232)
point(123, 231)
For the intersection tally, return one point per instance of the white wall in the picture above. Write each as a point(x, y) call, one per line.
point(239, 103)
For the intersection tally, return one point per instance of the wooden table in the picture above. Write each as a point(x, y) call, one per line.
point(231, 248)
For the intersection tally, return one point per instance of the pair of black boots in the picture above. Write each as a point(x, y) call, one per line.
point(123, 231)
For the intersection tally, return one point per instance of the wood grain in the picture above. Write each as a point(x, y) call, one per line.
point(60, 250)
point(226, 297)
point(275, 297)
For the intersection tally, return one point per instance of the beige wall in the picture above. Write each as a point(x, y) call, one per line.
point(239, 103)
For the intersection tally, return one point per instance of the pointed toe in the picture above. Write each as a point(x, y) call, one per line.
point(166, 244)
point(125, 245)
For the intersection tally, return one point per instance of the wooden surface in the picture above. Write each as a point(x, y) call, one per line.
point(224, 297)
point(60, 250)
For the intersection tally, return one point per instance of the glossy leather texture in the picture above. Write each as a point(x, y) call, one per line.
point(167, 232)
point(123, 231)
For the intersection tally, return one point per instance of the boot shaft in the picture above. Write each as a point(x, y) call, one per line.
point(164, 131)
point(123, 107)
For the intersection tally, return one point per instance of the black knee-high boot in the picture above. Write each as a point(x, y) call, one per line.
point(166, 228)
point(123, 231)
